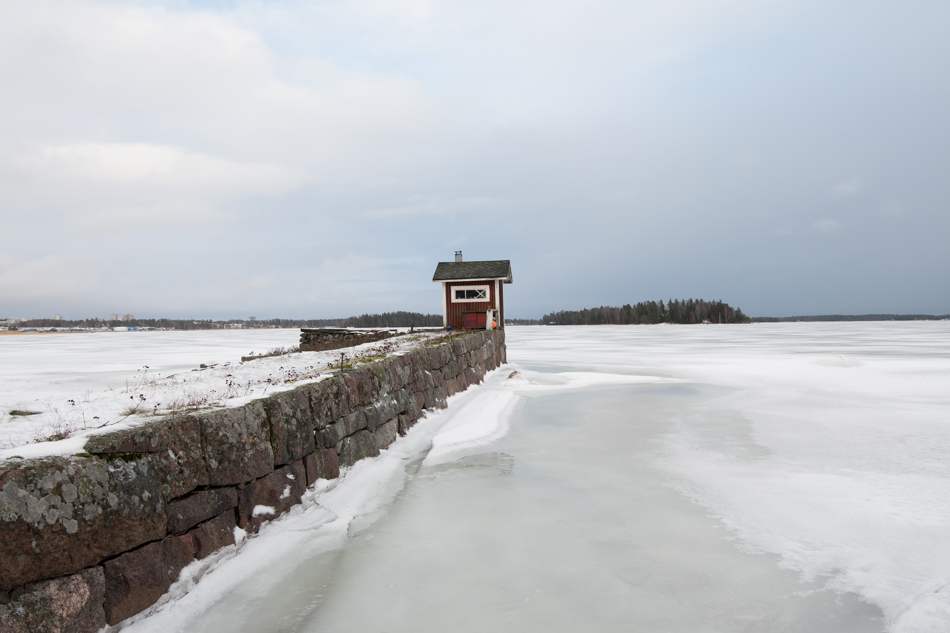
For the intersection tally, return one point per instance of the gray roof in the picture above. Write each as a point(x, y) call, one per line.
point(450, 271)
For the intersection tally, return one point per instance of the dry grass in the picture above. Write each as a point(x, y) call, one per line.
point(277, 351)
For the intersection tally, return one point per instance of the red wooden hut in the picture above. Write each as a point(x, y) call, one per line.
point(473, 293)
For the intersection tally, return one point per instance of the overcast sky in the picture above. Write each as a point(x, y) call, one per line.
point(317, 159)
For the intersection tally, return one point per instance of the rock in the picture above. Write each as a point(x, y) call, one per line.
point(416, 404)
point(402, 373)
point(359, 388)
point(270, 496)
point(175, 443)
point(471, 376)
point(59, 515)
point(358, 446)
point(386, 408)
point(291, 425)
point(188, 511)
point(347, 425)
point(236, 444)
point(441, 398)
point(324, 463)
point(382, 377)
point(385, 434)
point(137, 579)
point(406, 422)
point(212, 535)
point(328, 401)
point(71, 604)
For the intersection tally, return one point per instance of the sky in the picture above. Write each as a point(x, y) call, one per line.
point(317, 159)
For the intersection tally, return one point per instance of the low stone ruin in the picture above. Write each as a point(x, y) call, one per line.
point(323, 339)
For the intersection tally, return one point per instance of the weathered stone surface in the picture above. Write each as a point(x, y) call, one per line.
point(385, 409)
point(291, 425)
point(382, 376)
point(175, 443)
point(348, 425)
point(401, 372)
point(212, 535)
point(406, 422)
point(328, 401)
point(324, 463)
point(416, 404)
point(358, 446)
point(440, 398)
point(236, 444)
point(188, 511)
point(137, 579)
point(271, 496)
point(72, 604)
point(434, 359)
point(471, 376)
point(429, 398)
point(359, 388)
point(385, 434)
point(59, 515)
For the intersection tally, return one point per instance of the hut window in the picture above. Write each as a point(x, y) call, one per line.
point(469, 294)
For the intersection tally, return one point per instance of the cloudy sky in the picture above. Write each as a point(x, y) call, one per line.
point(317, 159)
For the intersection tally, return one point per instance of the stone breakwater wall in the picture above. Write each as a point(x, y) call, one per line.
point(93, 539)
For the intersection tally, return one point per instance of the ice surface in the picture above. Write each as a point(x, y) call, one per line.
point(776, 477)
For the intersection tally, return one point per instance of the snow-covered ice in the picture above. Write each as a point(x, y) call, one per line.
point(775, 477)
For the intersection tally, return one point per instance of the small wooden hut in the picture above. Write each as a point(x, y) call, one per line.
point(473, 293)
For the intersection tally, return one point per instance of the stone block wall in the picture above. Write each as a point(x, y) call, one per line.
point(323, 339)
point(95, 538)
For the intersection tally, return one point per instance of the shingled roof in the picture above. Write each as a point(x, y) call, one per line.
point(451, 271)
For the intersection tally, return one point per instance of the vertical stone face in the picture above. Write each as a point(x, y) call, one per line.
point(212, 535)
point(59, 515)
point(359, 387)
point(328, 401)
point(360, 445)
point(270, 496)
point(291, 425)
point(236, 444)
point(72, 604)
point(175, 446)
point(324, 463)
point(385, 434)
point(188, 511)
point(135, 580)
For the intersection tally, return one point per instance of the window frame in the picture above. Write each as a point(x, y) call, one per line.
point(485, 287)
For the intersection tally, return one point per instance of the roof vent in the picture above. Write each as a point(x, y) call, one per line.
point(458, 256)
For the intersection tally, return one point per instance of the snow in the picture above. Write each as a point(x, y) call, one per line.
point(88, 383)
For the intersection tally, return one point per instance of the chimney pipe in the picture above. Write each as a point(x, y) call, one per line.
point(458, 256)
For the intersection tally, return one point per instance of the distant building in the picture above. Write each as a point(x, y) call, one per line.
point(128, 317)
point(113, 317)
point(473, 293)
point(57, 317)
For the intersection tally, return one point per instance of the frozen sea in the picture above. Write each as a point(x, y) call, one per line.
point(774, 477)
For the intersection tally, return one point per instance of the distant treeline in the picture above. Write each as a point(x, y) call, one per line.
point(386, 319)
point(854, 317)
point(684, 311)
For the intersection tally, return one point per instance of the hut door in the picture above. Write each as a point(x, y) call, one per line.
point(473, 320)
